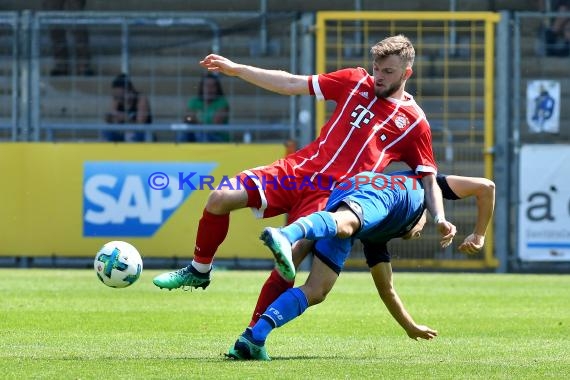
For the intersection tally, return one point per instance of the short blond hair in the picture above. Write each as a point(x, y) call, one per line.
point(396, 45)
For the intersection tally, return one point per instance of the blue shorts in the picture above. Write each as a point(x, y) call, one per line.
point(386, 207)
point(333, 252)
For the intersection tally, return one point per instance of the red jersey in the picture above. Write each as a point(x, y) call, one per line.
point(364, 133)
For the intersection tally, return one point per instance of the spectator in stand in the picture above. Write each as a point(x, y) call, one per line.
point(210, 106)
point(128, 106)
point(556, 36)
point(60, 47)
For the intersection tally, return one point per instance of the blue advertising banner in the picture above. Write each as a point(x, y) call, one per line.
point(134, 199)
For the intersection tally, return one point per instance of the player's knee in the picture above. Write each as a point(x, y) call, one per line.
point(320, 296)
point(347, 223)
point(222, 201)
point(315, 295)
point(345, 231)
point(300, 250)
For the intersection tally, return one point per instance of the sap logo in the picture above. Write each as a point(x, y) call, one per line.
point(118, 200)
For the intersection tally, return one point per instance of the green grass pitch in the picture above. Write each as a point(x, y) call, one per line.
point(65, 324)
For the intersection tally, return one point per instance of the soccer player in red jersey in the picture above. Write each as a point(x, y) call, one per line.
point(375, 122)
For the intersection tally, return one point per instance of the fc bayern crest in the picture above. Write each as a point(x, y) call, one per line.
point(401, 120)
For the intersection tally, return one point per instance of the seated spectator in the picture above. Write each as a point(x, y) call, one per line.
point(210, 106)
point(128, 106)
point(556, 37)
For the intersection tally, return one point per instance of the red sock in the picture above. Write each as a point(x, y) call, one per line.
point(212, 230)
point(274, 286)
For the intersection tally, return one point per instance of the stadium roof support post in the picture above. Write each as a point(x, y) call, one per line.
point(263, 27)
point(501, 150)
point(25, 84)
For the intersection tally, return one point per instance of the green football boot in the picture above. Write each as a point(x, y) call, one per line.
point(244, 349)
point(187, 276)
point(281, 248)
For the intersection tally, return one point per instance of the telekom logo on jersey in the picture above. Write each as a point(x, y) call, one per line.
point(361, 115)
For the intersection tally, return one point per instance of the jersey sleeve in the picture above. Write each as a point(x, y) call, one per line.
point(446, 191)
point(375, 253)
point(333, 85)
point(419, 155)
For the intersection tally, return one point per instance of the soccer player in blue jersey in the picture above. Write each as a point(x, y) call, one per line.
point(374, 208)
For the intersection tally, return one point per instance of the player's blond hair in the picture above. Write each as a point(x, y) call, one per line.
point(396, 45)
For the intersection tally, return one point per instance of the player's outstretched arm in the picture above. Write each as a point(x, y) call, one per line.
point(483, 190)
point(382, 275)
point(434, 204)
point(278, 81)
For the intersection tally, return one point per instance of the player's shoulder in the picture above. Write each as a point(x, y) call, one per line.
point(361, 72)
point(355, 73)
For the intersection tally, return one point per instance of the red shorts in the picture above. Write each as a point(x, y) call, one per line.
point(282, 192)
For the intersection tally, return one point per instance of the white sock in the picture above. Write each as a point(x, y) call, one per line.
point(202, 268)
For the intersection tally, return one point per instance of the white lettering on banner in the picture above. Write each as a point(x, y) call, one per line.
point(544, 208)
point(133, 198)
point(132, 201)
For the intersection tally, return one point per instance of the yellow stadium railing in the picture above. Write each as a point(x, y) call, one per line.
point(453, 81)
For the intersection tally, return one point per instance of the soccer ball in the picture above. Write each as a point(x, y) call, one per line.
point(118, 264)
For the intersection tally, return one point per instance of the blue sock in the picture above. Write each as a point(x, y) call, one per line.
point(287, 307)
point(293, 232)
point(318, 225)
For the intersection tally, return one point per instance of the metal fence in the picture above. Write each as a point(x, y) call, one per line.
point(159, 52)
point(9, 87)
point(530, 60)
point(466, 83)
point(452, 81)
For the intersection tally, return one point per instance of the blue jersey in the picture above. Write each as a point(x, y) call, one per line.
point(388, 205)
point(386, 210)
